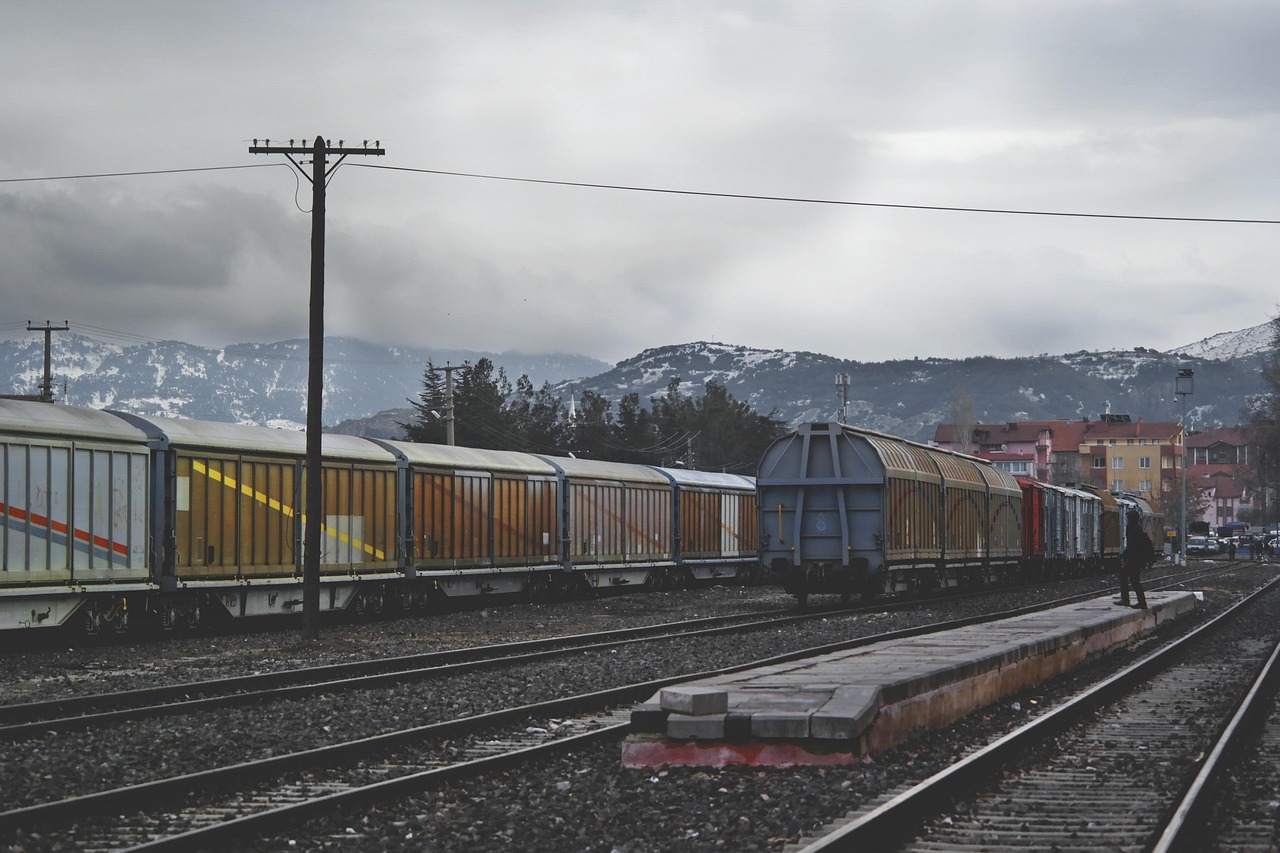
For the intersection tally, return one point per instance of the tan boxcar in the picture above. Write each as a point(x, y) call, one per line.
point(234, 501)
point(490, 515)
point(617, 520)
point(716, 524)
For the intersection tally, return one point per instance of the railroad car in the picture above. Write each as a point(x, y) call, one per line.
point(1115, 509)
point(75, 496)
point(475, 521)
point(107, 516)
point(847, 510)
point(228, 518)
point(1062, 529)
point(716, 520)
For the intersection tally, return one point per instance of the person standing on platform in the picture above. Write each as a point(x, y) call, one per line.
point(1138, 554)
point(1231, 549)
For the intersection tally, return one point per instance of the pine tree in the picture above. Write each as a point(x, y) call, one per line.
point(428, 426)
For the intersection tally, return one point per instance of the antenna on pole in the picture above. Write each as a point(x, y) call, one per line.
point(842, 385)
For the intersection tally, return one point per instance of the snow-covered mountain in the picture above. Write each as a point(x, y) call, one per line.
point(266, 383)
point(247, 383)
point(1244, 343)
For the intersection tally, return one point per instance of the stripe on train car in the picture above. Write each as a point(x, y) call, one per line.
point(60, 529)
point(285, 510)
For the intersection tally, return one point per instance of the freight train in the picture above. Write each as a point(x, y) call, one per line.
point(108, 517)
point(851, 511)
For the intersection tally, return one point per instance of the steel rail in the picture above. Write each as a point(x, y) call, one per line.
point(900, 814)
point(166, 790)
point(25, 719)
point(155, 790)
point(1189, 815)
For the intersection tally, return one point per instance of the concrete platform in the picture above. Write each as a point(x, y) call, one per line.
point(841, 707)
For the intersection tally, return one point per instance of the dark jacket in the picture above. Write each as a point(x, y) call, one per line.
point(1138, 551)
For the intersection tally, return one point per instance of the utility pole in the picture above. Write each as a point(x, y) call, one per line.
point(46, 387)
point(315, 363)
point(1184, 384)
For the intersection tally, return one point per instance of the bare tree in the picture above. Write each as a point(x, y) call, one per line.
point(962, 419)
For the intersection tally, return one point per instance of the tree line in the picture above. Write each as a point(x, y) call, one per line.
point(1263, 415)
point(711, 432)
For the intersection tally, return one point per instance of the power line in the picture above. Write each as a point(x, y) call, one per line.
point(824, 201)
point(139, 173)
point(672, 191)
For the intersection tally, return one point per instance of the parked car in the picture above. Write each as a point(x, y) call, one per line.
point(1200, 546)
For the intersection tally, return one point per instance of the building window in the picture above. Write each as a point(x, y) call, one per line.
point(1112, 442)
point(1117, 485)
point(1117, 463)
point(1166, 461)
point(1144, 462)
point(1099, 462)
point(1144, 485)
point(1129, 441)
point(1142, 441)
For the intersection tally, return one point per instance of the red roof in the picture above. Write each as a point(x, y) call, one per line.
point(1234, 436)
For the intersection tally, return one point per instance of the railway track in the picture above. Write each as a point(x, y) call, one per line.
point(19, 720)
point(1109, 769)
point(353, 771)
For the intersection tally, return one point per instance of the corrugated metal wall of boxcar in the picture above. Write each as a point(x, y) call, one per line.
point(242, 517)
point(748, 525)
point(1004, 513)
point(613, 522)
point(525, 522)
point(72, 513)
point(452, 518)
point(912, 502)
point(1033, 509)
point(966, 514)
point(596, 522)
point(649, 523)
point(913, 531)
point(700, 525)
point(359, 518)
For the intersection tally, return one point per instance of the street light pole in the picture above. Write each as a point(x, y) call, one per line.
point(1183, 386)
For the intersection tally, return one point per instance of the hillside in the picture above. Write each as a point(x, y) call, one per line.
point(368, 386)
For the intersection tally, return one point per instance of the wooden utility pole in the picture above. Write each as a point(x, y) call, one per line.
point(313, 519)
point(46, 387)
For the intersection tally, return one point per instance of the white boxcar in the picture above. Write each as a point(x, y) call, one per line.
point(74, 504)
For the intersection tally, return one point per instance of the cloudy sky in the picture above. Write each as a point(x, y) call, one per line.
point(750, 113)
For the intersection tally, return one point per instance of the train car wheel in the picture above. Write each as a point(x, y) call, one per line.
point(90, 624)
point(168, 618)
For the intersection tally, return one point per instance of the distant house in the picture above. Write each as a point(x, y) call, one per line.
point(1021, 447)
point(1113, 452)
point(1219, 465)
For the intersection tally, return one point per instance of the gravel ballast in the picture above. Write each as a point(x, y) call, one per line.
point(584, 802)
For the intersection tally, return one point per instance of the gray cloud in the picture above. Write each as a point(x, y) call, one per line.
point(1114, 106)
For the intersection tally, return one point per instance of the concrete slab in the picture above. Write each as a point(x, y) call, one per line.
point(840, 707)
